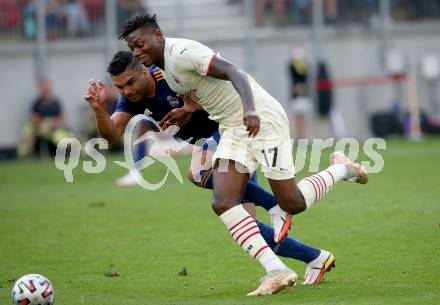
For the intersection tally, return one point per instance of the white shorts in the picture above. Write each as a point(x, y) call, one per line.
point(271, 149)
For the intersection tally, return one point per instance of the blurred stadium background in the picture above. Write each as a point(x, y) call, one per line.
point(380, 56)
point(373, 70)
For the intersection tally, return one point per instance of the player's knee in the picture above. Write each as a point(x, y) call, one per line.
point(221, 204)
point(218, 205)
point(202, 179)
point(193, 179)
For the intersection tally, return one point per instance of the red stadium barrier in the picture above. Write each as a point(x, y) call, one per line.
point(360, 81)
point(10, 17)
point(410, 82)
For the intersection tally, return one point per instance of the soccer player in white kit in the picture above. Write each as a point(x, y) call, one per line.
point(254, 131)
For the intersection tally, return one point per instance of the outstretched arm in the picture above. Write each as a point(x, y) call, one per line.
point(110, 128)
point(223, 69)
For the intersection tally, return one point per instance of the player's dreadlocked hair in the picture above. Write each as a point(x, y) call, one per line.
point(137, 21)
point(120, 61)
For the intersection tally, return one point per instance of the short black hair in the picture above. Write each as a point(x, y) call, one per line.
point(120, 61)
point(137, 21)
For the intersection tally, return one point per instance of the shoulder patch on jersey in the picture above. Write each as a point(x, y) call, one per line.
point(158, 75)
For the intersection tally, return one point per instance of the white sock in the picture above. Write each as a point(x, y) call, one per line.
point(315, 187)
point(244, 229)
point(276, 210)
point(318, 261)
point(273, 264)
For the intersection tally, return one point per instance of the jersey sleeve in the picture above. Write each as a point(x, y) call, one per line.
point(197, 59)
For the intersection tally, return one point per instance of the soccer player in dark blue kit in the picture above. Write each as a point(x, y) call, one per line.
point(144, 91)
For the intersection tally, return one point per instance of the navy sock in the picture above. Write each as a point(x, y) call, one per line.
point(289, 246)
point(254, 193)
point(204, 179)
point(258, 195)
point(140, 150)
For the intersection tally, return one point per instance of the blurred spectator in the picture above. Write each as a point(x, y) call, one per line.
point(326, 107)
point(62, 16)
point(28, 19)
point(53, 18)
point(95, 10)
point(300, 104)
point(273, 8)
point(127, 8)
point(362, 12)
point(330, 10)
point(325, 89)
point(77, 21)
point(45, 129)
point(299, 10)
point(415, 10)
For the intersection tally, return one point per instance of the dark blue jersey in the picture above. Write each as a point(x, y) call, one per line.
point(165, 100)
point(49, 109)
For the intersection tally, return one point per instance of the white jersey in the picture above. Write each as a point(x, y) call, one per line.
point(186, 65)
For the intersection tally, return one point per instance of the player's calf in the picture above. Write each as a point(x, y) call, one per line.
point(229, 185)
point(288, 196)
point(315, 187)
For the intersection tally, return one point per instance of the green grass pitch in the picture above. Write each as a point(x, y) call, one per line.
point(385, 236)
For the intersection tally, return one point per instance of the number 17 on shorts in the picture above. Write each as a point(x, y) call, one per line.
point(276, 160)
